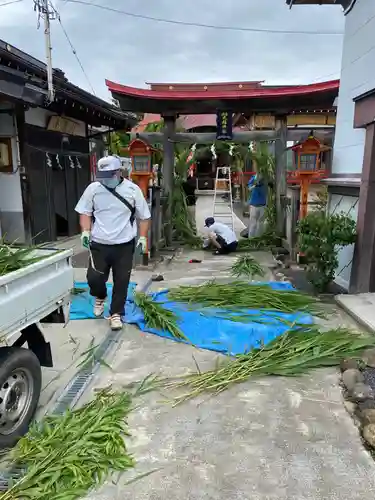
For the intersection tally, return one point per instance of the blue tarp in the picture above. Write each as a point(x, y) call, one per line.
point(209, 330)
point(83, 303)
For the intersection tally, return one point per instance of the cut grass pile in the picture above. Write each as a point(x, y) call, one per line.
point(156, 316)
point(295, 352)
point(238, 295)
point(264, 242)
point(64, 457)
point(14, 257)
point(247, 266)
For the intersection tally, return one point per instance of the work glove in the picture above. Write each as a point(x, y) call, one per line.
point(142, 242)
point(85, 239)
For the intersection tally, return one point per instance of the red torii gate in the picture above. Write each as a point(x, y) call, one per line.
point(173, 100)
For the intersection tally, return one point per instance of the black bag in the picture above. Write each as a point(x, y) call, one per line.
point(125, 202)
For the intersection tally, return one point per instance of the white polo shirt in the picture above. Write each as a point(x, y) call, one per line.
point(224, 231)
point(112, 224)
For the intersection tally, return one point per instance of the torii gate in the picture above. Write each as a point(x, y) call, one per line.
point(254, 98)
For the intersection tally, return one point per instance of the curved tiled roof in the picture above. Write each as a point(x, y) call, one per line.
point(209, 93)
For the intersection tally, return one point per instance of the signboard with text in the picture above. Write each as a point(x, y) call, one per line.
point(224, 126)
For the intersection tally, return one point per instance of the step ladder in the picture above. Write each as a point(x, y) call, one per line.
point(222, 209)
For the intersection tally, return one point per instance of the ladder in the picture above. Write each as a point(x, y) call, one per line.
point(222, 210)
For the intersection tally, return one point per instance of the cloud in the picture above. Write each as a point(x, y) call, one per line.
point(133, 51)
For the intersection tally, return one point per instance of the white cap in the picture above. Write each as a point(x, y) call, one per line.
point(109, 164)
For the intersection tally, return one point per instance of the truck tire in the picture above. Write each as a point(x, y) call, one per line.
point(20, 387)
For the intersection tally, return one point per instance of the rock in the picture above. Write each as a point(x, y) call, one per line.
point(350, 407)
point(349, 363)
point(351, 377)
point(368, 404)
point(361, 392)
point(367, 417)
point(369, 434)
point(369, 357)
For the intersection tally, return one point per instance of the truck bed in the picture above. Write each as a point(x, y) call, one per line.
point(31, 293)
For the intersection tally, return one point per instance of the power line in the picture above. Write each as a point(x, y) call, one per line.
point(73, 50)
point(10, 3)
point(336, 74)
point(201, 25)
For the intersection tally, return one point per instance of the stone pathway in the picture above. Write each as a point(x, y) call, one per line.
point(204, 209)
point(267, 439)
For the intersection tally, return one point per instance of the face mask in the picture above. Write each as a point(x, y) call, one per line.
point(110, 183)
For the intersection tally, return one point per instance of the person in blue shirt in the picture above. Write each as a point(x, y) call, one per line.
point(257, 202)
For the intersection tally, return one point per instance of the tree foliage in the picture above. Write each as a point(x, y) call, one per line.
point(321, 235)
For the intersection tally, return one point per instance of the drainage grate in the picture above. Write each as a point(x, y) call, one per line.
point(10, 476)
point(73, 391)
point(76, 387)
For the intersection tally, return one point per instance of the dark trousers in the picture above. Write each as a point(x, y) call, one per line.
point(226, 248)
point(119, 258)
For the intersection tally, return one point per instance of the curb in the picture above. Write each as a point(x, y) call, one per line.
point(370, 327)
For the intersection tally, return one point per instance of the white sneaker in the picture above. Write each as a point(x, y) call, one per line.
point(99, 307)
point(115, 322)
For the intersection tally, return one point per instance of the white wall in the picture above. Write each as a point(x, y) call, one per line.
point(39, 117)
point(357, 77)
point(11, 208)
point(10, 187)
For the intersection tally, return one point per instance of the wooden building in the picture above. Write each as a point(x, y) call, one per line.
point(346, 4)
point(45, 148)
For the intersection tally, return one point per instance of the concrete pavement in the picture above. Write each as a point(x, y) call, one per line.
point(69, 343)
point(204, 208)
point(266, 439)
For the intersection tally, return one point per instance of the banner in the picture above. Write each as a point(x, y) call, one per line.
point(224, 126)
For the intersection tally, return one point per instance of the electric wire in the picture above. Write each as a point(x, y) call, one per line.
point(75, 53)
point(203, 25)
point(10, 3)
point(55, 14)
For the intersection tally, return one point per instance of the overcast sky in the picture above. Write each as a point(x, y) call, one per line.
point(134, 51)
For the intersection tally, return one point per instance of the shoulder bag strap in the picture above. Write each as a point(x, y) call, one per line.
point(125, 202)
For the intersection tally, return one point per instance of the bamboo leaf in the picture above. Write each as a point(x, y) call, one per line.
point(293, 353)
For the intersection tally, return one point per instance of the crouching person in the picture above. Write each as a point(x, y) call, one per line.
point(221, 237)
point(108, 211)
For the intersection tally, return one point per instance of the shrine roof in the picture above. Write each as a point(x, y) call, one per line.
point(146, 120)
point(207, 98)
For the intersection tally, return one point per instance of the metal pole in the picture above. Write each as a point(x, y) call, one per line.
point(47, 37)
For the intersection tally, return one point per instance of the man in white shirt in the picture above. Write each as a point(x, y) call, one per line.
point(221, 237)
point(108, 211)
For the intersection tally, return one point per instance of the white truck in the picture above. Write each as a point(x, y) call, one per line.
point(37, 293)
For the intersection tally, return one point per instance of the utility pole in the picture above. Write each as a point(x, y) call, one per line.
point(47, 13)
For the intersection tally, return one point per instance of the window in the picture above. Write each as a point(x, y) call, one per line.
point(308, 162)
point(141, 164)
